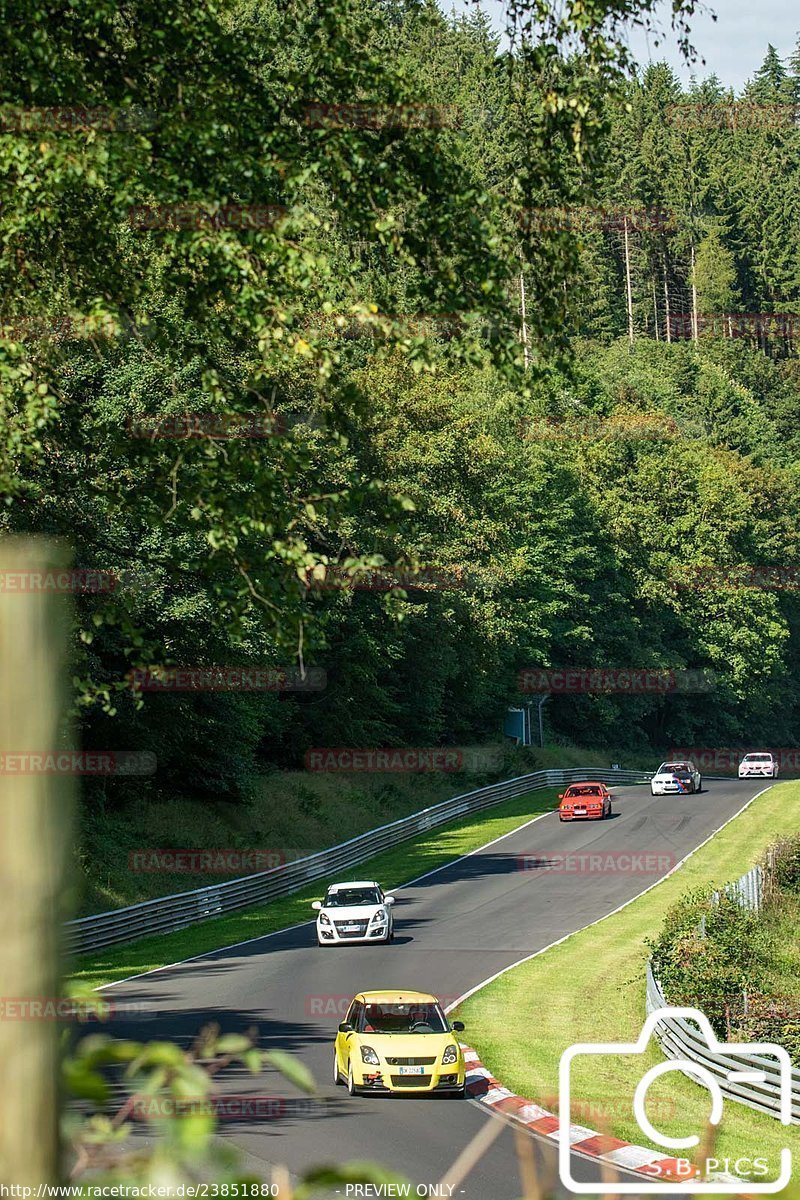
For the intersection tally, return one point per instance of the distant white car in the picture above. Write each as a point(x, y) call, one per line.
point(676, 778)
point(354, 912)
point(758, 765)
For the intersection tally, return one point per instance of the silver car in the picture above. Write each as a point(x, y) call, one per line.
point(676, 779)
point(758, 765)
point(354, 912)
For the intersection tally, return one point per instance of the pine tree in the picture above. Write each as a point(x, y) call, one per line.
point(769, 80)
point(793, 77)
point(715, 275)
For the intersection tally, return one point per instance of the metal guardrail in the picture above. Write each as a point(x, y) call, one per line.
point(678, 1038)
point(169, 913)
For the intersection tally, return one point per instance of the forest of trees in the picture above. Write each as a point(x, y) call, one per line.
point(469, 381)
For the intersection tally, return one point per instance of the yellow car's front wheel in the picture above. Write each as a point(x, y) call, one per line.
point(351, 1083)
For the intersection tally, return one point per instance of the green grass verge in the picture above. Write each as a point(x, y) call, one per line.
point(783, 923)
point(392, 868)
point(591, 988)
point(301, 810)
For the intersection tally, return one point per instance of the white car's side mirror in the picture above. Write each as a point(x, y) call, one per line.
point(388, 899)
point(317, 905)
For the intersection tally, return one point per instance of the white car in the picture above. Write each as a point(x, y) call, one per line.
point(354, 912)
point(758, 765)
point(676, 778)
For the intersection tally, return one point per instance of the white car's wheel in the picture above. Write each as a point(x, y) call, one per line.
point(652, 791)
point(337, 1078)
point(700, 784)
point(351, 1083)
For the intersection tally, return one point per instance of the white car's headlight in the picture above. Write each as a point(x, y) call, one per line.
point(368, 1055)
point(323, 919)
point(380, 917)
point(450, 1055)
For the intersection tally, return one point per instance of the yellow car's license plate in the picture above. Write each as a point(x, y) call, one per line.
point(412, 1070)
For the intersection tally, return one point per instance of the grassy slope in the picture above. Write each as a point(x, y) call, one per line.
point(296, 811)
point(392, 868)
point(591, 988)
point(784, 924)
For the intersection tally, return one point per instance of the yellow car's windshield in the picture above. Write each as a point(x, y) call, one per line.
point(403, 1018)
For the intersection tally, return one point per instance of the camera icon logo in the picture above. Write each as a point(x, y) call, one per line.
point(731, 1067)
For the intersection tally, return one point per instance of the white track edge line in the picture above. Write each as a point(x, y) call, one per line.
point(527, 958)
point(300, 925)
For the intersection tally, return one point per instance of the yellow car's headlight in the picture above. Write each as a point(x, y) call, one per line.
point(368, 1055)
point(450, 1055)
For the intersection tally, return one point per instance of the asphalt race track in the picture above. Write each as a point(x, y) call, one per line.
point(454, 929)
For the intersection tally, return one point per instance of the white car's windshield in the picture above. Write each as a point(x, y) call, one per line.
point(758, 758)
point(403, 1018)
point(352, 898)
point(673, 769)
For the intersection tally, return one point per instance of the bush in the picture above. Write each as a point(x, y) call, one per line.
point(709, 953)
point(783, 864)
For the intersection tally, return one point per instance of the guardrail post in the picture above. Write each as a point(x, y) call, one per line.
point(187, 908)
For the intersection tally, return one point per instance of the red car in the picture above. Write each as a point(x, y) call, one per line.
point(585, 802)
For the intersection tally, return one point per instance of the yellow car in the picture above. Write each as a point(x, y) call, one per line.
point(398, 1042)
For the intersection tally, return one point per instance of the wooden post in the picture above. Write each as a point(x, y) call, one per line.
point(667, 316)
point(35, 848)
point(655, 310)
point(695, 330)
point(524, 308)
point(628, 288)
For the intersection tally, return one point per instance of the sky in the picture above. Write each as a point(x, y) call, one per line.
point(733, 46)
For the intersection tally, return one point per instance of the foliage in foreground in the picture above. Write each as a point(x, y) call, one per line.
point(738, 967)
